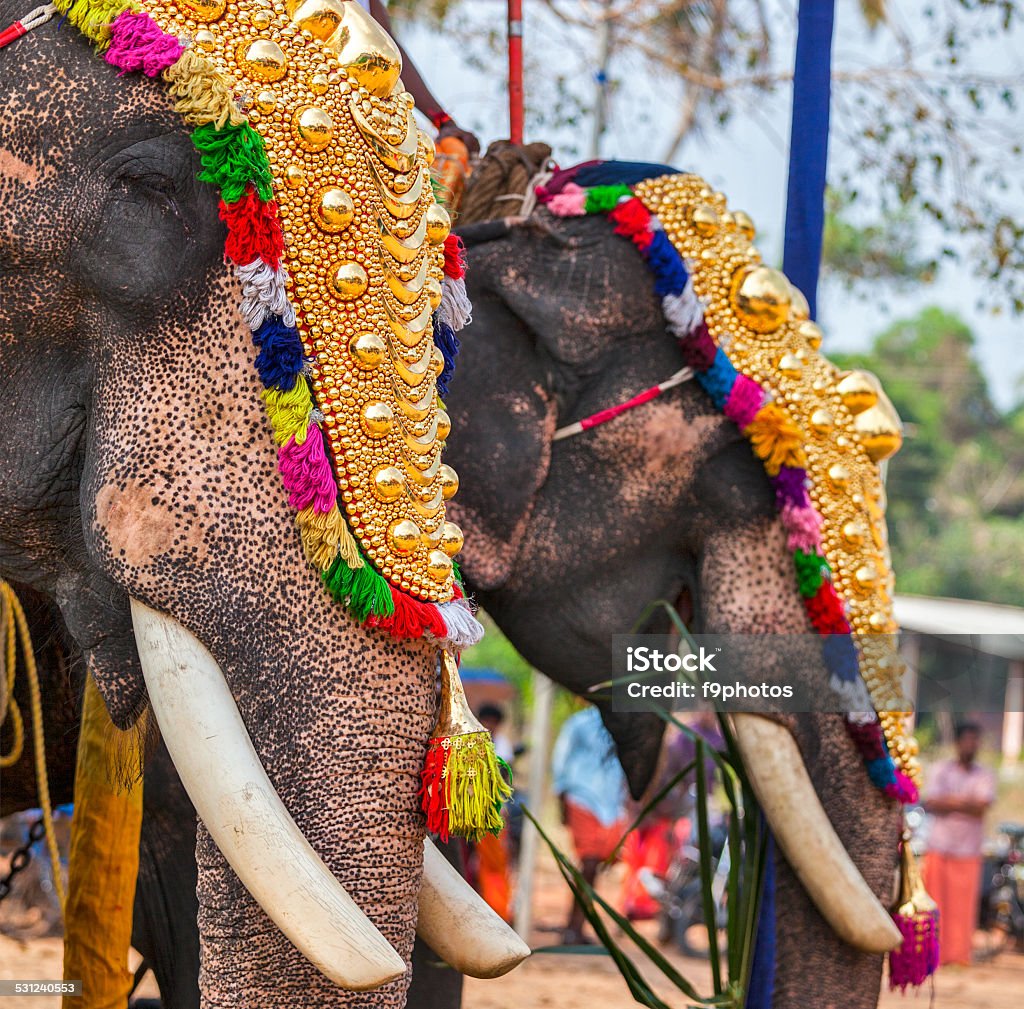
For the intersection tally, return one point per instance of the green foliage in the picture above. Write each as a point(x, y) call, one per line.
point(956, 488)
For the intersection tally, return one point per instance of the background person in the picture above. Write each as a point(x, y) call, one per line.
point(591, 788)
point(960, 791)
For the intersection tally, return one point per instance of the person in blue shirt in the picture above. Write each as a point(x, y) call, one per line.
point(591, 788)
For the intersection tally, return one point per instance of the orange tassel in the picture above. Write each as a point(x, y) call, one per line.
point(776, 439)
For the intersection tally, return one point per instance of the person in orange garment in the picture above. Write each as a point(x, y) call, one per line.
point(960, 791)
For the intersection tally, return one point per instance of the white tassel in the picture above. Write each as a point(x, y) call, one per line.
point(264, 292)
point(464, 630)
point(683, 312)
point(456, 309)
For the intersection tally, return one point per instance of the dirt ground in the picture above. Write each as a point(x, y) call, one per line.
point(563, 981)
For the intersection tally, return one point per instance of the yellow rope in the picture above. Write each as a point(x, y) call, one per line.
point(17, 722)
point(15, 622)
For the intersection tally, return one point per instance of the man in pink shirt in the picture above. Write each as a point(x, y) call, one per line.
point(959, 793)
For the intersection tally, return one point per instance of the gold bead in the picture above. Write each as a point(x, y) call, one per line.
point(405, 536)
point(449, 481)
point(427, 143)
point(205, 39)
point(705, 220)
point(261, 19)
point(439, 224)
point(822, 421)
point(263, 60)
point(333, 209)
point(451, 538)
point(439, 565)
point(879, 431)
point(839, 475)
point(436, 361)
point(295, 176)
point(266, 101)
point(866, 575)
point(402, 183)
point(800, 310)
point(388, 483)
point(348, 280)
point(790, 364)
point(434, 291)
point(760, 298)
point(744, 224)
point(366, 52)
point(367, 350)
point(319, 84)
point(321, 18)
point(377, 418)
point(854, 533)
point(858, 390)
point(314, 127)
point(444, 425)
point(204, 10)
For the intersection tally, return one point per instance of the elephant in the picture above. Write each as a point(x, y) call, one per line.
point(142, 500)
point(127, 488)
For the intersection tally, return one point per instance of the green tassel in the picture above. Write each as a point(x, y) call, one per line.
point(601, 199)
point(457, 573)
point(362, 590)
point(233, 157)
point(811, 571)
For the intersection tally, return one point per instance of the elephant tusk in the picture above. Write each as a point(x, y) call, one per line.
point(807, 838)
point(223, 776)
point(459, 927)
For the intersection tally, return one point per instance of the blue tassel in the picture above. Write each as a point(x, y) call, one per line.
point(448, 343)
point(840, 656)
point(625, 173)
point(719, 379)
point(280, 360)
point(670, 274)
point(881, 771)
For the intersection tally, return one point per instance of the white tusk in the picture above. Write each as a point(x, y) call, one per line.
point(238, 805)
point(807, 838)
point(459, 927)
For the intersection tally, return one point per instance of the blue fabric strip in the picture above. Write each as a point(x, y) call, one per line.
point(762, 973)
point(625, 173)
point(808, 147)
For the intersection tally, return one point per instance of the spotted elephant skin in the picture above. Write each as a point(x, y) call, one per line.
point(568, 541)
point(137, 462)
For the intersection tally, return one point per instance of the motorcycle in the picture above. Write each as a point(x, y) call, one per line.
point(1002, 896)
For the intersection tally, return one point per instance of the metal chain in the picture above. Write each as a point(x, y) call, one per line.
point(22, 856)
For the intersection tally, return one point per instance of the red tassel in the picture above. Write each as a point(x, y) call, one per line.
point(254, 231)
point(826, 611)
point(432, 790)
point(411, 618)
point(454, 257)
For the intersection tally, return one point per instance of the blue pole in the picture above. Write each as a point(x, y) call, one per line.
point(801, 261)
point(808, 147)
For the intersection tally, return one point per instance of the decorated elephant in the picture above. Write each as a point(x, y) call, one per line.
point(290, 661)
point(153, 479)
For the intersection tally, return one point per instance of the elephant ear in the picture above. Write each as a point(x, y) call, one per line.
point(501, 447)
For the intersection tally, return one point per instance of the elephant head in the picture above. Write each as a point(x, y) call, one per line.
point(568, 541)
point(141, 494)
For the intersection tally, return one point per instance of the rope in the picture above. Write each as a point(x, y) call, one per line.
point(502, 182)
point(35, 17)
point(14, 629)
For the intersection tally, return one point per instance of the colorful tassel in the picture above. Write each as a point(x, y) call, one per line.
point(917, 917)
point(233, 157)
point(776, 439)
point(570, 202)
point(137, 42)
point(463, 788)
point(254, 230)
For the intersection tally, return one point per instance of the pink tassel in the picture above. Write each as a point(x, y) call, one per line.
point(138, 43)
point(306, 473)
point(902, 789)
point(570, 202)
point(917, 957)
point(803, 526)
point(746, 397)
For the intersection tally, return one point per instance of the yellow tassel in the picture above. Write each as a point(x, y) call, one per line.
point(289, 412)
point(204, 95)
point(463, 788)
point(324, 536)
point(94, 17)
point(776, 439)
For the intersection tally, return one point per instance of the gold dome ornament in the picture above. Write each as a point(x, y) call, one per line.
point(333, 209)
point(313, 127)
point(880, 430)
point(348, 280)
point(368, 350)
point(858, 390)
point(263, 60)
point(451, 538)
point(439, 224)
point(761, 298)
point(405, 536)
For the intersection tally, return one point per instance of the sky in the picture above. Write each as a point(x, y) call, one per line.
point(747, 160)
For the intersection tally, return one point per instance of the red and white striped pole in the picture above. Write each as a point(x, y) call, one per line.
point(515, 71)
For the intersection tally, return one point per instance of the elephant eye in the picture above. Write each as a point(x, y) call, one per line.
point(157, 188)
